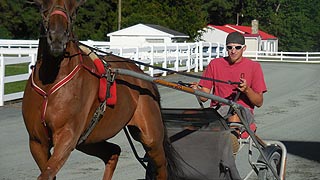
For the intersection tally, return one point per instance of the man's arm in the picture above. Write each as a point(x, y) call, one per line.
point(195, 85)
point(254, 97)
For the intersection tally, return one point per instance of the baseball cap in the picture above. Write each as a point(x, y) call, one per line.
point(235, 37)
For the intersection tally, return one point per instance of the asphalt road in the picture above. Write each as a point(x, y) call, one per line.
point(291, 114)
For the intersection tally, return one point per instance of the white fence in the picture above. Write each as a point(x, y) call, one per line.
point(296, 57)
point(9, 56)
point(176, 56)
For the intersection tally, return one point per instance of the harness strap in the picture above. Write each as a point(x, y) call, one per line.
point(61, 13)
point(98, 114)
point(100, 109)
point(52, 90)
point(110, 76)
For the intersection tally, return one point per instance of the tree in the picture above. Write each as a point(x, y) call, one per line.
point(184, 16)
point(295, 22)
point(18, 20)
point(220, 12)
point(96, 19)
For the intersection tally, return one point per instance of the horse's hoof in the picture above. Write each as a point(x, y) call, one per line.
point(46, 176)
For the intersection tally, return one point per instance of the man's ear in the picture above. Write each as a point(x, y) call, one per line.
point(244, 48)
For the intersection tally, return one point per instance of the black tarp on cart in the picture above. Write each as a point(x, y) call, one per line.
point(202, 139)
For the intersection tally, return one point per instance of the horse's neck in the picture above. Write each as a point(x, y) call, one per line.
point(49, 65)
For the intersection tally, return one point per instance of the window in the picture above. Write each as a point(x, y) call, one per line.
point(155, 40)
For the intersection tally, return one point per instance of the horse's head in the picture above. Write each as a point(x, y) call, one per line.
point(58, 17)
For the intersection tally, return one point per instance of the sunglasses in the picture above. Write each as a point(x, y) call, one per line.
point(235, 47)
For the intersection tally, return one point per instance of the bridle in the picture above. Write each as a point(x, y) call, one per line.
point(60, 11)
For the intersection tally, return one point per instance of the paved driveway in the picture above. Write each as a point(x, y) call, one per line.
point(291, 114)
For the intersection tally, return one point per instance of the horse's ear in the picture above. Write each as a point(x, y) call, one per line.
point(37, 2)
point(74, 5)
point(81, 2)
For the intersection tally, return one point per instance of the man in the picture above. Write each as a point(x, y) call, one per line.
point(235, 68)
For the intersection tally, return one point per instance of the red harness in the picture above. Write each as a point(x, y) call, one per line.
point(61, 13)
point(107, 91)
point(61, 83)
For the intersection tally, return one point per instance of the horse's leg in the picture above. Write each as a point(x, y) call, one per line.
point(40, 153)
point(148, 119)
point(64, 142)
point(107, 152)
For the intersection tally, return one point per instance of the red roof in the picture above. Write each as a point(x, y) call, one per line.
point(222, 28)
point(245, 30)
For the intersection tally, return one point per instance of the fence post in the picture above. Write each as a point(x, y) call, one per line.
point(2, 74)
point(33, 62)
point(210, 52)
point(176, 63)
point(217, 51)
point(121, 51)
point(164, 65)
point(189, 58)
point(137, 54)
point(151, 62)
point(196, 68)
point(307, 56)
point(200, 56)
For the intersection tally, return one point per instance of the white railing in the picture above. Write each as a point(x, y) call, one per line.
point(176, 56)
point(296, 57)
point(9, 43)
point(14, 56)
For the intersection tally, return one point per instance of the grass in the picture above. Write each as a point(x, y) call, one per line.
point(15, 69)
point(14, 87)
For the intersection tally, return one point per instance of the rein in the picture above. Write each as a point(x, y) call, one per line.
point(165, 69)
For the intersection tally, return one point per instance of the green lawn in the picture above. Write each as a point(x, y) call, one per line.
point(19, 86)
point(15, 69)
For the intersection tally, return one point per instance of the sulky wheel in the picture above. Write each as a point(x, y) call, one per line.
point(274, 158)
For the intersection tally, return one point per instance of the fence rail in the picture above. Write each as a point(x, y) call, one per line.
point(297, 57)
point(14, 56)
point(176, 56)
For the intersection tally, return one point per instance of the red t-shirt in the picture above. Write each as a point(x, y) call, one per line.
point(221, 69)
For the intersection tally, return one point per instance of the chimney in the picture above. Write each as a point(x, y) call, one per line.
point(254, 26)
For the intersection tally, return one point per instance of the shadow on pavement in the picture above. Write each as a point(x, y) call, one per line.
point(308, 150)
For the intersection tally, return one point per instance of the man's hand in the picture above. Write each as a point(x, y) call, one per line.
point(254, 97)
point(243, 85)
point(195, 85)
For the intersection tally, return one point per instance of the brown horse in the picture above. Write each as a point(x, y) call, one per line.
point(61, 98)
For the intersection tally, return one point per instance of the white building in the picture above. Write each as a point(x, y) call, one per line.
point(256, 40)
point(141, 35)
